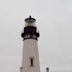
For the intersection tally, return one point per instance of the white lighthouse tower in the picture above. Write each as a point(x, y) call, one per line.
point(30, 58)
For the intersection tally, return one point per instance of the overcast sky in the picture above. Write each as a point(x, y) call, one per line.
point(54, 22)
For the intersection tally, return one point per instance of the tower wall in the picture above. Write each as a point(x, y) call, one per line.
point(30, 50)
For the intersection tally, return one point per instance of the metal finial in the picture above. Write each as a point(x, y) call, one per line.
point(30, 19)
point(47, 69)
point(30, 16)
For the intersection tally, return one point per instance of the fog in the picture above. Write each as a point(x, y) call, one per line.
point(54, 22)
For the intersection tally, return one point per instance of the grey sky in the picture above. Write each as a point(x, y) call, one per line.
point(54, 21)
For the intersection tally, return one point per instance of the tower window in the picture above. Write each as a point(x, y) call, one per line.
point(31, 61)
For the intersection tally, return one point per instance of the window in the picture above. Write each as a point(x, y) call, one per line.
point(31, 61)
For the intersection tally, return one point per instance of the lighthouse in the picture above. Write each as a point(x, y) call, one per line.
point(30, 56)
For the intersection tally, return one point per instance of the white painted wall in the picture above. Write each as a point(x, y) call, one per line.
point(30, 49)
